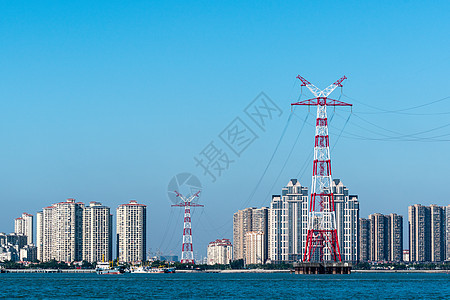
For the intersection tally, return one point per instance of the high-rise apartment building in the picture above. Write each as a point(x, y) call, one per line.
point(255, 247)
point(220, 252)
point(419, 228)
point(347, 221)
point(60, 228)
point(131, 232)
point(275, 224)
point(447, 232)
point(24, 225)
point(437, 219)
point(395, 237)
point(288, 223)
point(67, 231)
point(39, 235)
point(246, 220)
point(427, 233)
point(47, 238)
point(378, 237)
point(241, 225)
point(386, 237)
point(260, 223)
point(364, 239)
point(97, 233)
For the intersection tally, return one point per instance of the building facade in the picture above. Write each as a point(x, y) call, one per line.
point(241, 225)
point(406, 255)
point(60, 228)
point(246, 220)
point(39, 235)
point(97, 233)
point(24, 225)
point(275, 225)
point(378, 237)
point(386, 237)
point(395, 237)
point(347, 221)
point(288, 223)
point(10, 246)
point(28, 253)
point(364, 239)
point(255, 247)
point(447, 233)
point(427, 233)
point(419, 228)
point(131, 232)
point(220, 252)
point(260, 223)
point(47, 237)
point(67, 231)
point(437, 234)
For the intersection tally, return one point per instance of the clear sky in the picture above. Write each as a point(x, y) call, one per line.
point(108, 100)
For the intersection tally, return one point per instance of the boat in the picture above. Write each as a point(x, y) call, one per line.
point(104, 268)
point(149, 270)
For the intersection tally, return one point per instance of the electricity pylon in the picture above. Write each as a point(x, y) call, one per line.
point(322, 240)
point(187, 251)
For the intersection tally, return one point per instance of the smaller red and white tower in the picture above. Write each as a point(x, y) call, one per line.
point(187, 251)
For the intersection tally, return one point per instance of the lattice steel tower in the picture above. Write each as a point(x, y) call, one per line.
point(187, 251)
point(322, 240)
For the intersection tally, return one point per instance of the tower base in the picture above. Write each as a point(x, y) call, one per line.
point(322, 268)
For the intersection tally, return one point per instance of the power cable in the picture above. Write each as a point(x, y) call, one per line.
point(401, 111)
point(167, 228)
point(173, 231)
point(267, 166)
point(287, 158)
point(398, 137)
point(270, 161)
point(342, 130)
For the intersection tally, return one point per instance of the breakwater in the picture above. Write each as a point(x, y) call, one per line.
point(82, 271)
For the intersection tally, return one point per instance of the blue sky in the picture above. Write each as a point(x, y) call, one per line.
point(107, 101)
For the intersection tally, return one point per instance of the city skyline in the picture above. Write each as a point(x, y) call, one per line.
point(107, 103)
point(72, 231)
point(339, 190)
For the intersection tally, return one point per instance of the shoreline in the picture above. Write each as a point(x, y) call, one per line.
point(401, 271)
point(75, 271)
point(234, 271)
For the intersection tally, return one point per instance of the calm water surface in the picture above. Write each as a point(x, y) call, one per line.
point(182, 286)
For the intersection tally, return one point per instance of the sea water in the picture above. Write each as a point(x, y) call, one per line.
point(231, 286)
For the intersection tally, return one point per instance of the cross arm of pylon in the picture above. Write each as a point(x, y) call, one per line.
point(193, 196)
point(314, 90)
point(322, 101)
point(181, 196)
point(319, 93)
point(333, 86)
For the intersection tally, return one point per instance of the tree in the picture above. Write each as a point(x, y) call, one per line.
point(237, 264)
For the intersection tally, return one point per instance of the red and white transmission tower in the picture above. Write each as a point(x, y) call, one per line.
point(322, 240)
point(187, 251)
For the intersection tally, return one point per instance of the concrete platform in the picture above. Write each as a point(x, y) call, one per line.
point(322, 268)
